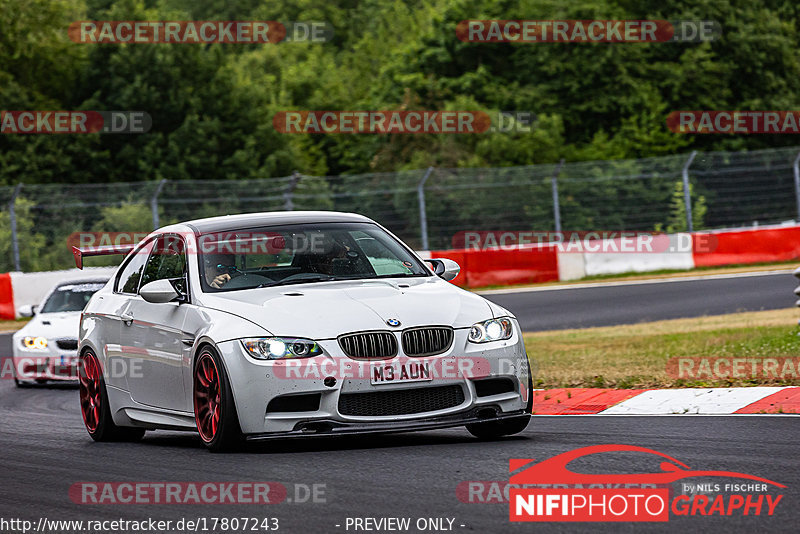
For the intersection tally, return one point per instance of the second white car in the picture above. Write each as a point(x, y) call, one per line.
point(46, 348)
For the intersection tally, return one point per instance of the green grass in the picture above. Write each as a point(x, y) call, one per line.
point(636, 356)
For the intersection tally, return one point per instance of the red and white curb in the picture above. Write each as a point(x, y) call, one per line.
point(701, 401)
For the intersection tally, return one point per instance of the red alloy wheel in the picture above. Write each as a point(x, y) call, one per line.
point(206, 396)
point(90, 391)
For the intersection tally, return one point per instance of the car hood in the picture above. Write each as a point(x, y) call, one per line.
point(52, 325)
point(325, 310)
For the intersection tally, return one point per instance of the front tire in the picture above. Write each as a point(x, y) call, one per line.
point(214, 408)
point(17, 382)
point(497, 429)
point(95, 407)
point(20, 384)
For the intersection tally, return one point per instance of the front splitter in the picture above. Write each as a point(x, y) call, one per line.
point(328, 428)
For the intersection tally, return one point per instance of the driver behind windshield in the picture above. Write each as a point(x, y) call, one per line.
point(218, 269)
point(329, 255)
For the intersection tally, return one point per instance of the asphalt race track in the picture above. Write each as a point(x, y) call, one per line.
point(45, 449)
point(628, 303)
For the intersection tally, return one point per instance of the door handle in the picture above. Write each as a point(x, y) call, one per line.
point(127, 318)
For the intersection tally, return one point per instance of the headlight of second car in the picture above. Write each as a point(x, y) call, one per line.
point(281, 348)
point(31, 342)
point(491, 330)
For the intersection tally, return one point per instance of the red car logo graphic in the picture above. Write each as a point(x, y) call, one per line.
point(554, 470)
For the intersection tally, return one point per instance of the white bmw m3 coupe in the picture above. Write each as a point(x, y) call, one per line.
point(284, 324)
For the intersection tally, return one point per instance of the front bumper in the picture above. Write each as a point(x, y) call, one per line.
point(256, 384)
point(38, 365)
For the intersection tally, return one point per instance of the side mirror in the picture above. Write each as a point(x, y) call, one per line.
point(444, 268)
point(159, 292)
point(26, 310)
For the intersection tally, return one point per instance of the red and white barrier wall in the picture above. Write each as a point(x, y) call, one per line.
point(527, 264)
point(762, 245)
point(6, 297)
point(523, 265)
point(545, 263)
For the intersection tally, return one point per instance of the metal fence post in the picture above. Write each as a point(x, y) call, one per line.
point(154, 203)
point(12, 215)
point(423, 217)
point(288, 195)
point(687, 195)
point(556, 205)
point(797, 183)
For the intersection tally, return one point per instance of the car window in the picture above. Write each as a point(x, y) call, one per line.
point(302, 253)
point(128, 281)
point(70, 298)
point(383, 260)
point(167, 260)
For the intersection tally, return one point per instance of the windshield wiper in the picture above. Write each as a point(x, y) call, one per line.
point(399, 275)
point(310, 279)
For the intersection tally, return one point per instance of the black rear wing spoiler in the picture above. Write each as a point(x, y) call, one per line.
point(79, 253)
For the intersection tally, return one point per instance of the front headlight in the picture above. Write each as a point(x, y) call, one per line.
point(279, 348)
point(30, 342)
point(491, 330)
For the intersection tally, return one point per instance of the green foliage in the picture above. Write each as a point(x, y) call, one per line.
point(212, 105)
point(128, 217)
point(677, 211)
point(32, 250)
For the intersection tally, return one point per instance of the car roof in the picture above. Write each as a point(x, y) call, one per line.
point(227, 223)
point(95, 280)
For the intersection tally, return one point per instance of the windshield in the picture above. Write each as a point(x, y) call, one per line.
point(70, 298)
point(297, 254)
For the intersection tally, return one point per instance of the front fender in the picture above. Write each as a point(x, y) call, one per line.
point(212, 327)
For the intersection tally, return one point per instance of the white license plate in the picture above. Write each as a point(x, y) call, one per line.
point(65, 366)
point(397, 372)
